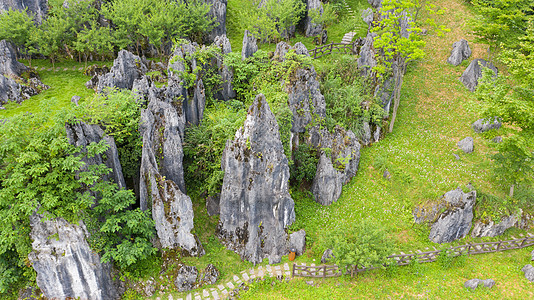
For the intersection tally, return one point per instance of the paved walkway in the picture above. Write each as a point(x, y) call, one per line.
point(57, 69)
point(223, 291)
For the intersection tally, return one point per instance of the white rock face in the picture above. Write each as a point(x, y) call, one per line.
point(65, 265)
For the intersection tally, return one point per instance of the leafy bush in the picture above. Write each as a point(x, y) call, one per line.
point(362, 244)
point(203, 145)
point(305, 163)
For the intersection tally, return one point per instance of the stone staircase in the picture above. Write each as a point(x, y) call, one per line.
point(347, 38)
point(223, 291)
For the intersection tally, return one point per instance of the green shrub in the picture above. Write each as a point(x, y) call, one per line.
point(361, 244)
point(305, 164)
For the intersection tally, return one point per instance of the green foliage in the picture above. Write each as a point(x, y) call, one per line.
point(119, 113)
point(363, 244)
point(204, 144)
point(16, 26)
point(501, 21)
point(447, 260)
point(327, 18)
point(305, 164)
point(268, 20)
point(203, 69)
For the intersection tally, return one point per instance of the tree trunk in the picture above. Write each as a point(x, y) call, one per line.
point(512, 190)
point(399, 76)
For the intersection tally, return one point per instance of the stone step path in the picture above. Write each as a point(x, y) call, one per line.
point(347, 38)
point(223, 291)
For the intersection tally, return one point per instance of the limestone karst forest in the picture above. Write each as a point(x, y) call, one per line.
point(273, 149)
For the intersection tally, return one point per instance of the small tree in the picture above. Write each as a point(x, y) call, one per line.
point(16, 27)
point(363, 244)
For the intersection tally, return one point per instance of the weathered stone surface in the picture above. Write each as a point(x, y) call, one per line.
point(65, 265)
point(473, 73)
point(194, 98)
point(249, 45)
point(337, 170)
point(127, 67)
point(491, 229)
point(368, 16)
point(81, 135)
point(186, 278)
point(227, 74)
point(474, 283)
point(218, 11)
point(9, 66)
point(209, 275)
point(297, 240)
point(310, 28)
point(212, 205)
point(75, 100)
point(484, 125)
point(376, 134)
point(497, 139)
point(255, 204)
point(10, 91)
point(375, 3)
point(455, 222)
point(327, 255)
point(529, 272)
point(460, 52)
point(304, 95)
point(161, 185)
point(467, 145)
point(328, 182)
point(37, 8)
point(366, 137)
point(366, 60)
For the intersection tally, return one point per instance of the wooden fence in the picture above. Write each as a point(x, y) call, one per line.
point(403, 259)
point(333, 47)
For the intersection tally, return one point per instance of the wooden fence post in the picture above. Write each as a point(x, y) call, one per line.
point(324, 271)
point(523, 242)
point(293, 272)
point(498, 246)
point(468, 249)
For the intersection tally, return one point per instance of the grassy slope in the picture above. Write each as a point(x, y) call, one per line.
point(435, 113)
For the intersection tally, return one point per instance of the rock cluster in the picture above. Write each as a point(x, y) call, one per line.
point(65, 265)
point(127, 68)
point(529, 272)
point(310, 28)
point(467, 145)
point(255, 205)
point(474, 283)
point(13, 87)
point(460, 52)
point(491, 229)
point(162, 186)
point(337, 168)
point(218, 12)
point(37, 8)
point(483, 125)
point(249, 45)
point(297, 241)
point(473, 73)
point(227, 91)
point(455, 222)
point(81, 135)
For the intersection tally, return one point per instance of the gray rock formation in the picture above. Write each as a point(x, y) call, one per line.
point(474, 283)
point(38, 8)
point(327, 255)
point(193, 98)
point(483, 125)
point(209, 275)
point(366, 60)
point(375, 3)
point(310, 28)
point(65, 265)
point(255, 204)
point(491, 229)
point(75, 99)
point(212, 205)
point(497, 139)
point(334, 171)
point(127, 67)
point(10, 91)
point(186, 278)
point(473, 73)
point(467, 145)
point(366, 135)
point(217, 11)
point(81, 135)
point(227, 75)
point(297, 240)
point(9, 66)
point(249, 45)
point(161, 185)
point(455, 222)
point(460, 52)
point(529, 272)
point(368, 16)
point(328, 182)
